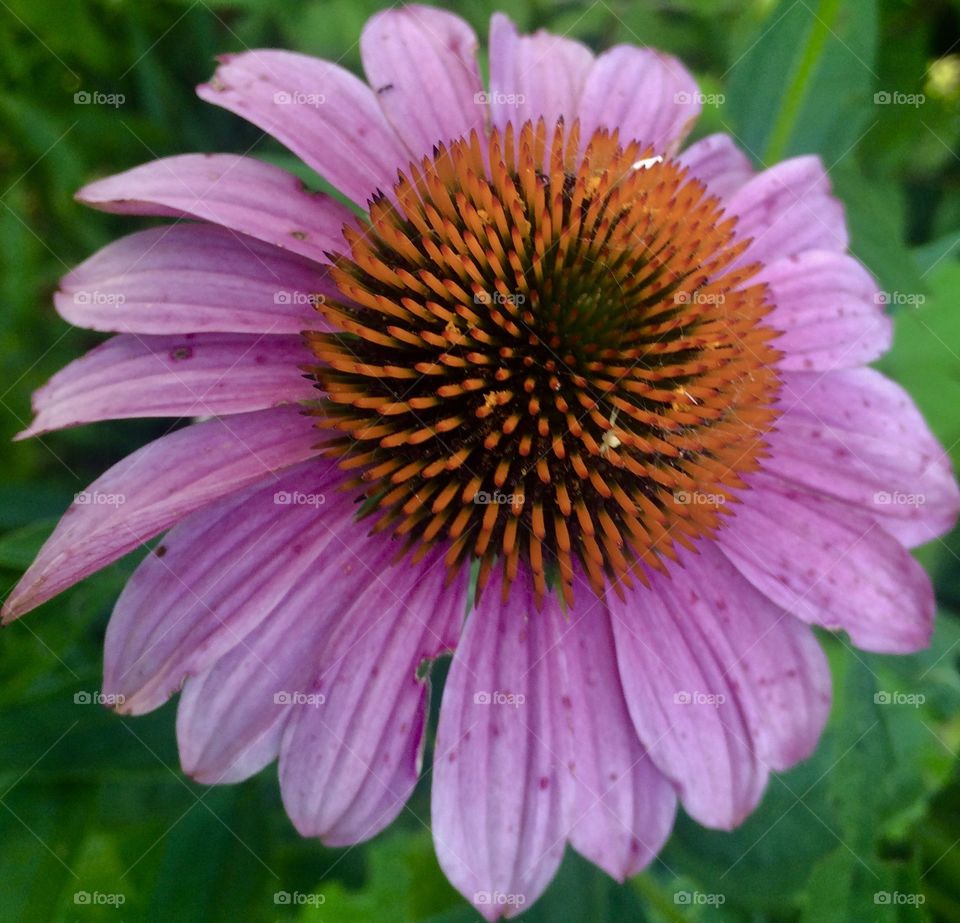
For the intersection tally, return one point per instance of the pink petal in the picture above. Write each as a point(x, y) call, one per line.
point(772, 661)
point(324, 114)
point(827, 306)
point(189, 278)
point(622, 808)
point(239, 193)
point(348, 766)
point(648, 95)
point(788, 209)
point(534, 75)
point(829, 565)
point(719, 163)
point(174, 376)
point(224, 570)
point(154, 487)
point(499, 812)
point(422, 63)
point(231, 717)
point(681, 680)
point(858, 437)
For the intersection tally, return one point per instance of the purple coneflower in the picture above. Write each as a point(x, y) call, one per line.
point(583, 410)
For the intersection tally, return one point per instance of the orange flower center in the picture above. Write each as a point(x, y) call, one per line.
point(544, 356)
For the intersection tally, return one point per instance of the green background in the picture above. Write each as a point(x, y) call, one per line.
point(91, 802)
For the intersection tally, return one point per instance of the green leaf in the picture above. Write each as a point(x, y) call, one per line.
point(19, 547)
point(876, 222)
point(804, 82)
point(925, 357)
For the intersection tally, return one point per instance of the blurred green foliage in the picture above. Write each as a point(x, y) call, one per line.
point(95, 804)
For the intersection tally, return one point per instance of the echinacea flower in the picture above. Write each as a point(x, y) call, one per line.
point(587, 411)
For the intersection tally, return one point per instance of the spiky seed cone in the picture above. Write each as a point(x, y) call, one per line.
point(546, 356)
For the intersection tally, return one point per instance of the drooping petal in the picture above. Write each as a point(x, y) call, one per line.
point(156, 486)
point(857, 436)
point(498, 810)
point(239, 193)
point(193, 278)
point(173, 376)
point(772, 661)
point(684, 701)
point(719, 163)
point(222, 571)
point(348, 765)
point(827, 306)
point(324, 114)
point(621, 806)
point(422, 64)
point(647, 95)
point(231, 717)
point(829, 565)
point(534, 75)
point(786, 210)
